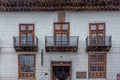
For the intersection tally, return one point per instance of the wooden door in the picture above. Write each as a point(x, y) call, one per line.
point(26, 34)
point(61, 33)
point(97, 34)
point(61, 70)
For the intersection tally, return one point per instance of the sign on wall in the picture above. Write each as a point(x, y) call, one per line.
point(81, 75)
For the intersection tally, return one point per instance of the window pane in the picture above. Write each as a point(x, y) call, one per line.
point(100, 35)
point(23, 27)
point(57, 26)
point(26, 63)
point(93, 58)
point(93, 68)
point(58, 39)
point(64, 38)
point(100, 68)
point(93, 27)
point(23, 38)
point(94, 36)
point(100, 39)
point(94, 41)
point(29, 38)
point(101, 58)
point(65, 26)
point(30, 27)
point(101, 27)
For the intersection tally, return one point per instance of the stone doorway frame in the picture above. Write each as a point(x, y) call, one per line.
point(60, 63)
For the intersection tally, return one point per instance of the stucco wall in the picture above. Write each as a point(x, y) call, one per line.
point(79, 26)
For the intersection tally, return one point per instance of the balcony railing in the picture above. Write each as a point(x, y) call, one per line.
point(25, 45)
point(71, 46)
point(99, 44)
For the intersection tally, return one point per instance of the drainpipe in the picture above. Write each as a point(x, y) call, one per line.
point(42, 64)
point(42, 57)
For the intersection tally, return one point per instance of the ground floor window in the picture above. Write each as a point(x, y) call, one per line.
point(97, 65)
point(26, 65)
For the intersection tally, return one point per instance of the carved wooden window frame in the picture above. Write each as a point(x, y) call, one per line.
point(97, 31)
point(61, 32)
point(26, 32)
point(26, 74)
point(97, 65)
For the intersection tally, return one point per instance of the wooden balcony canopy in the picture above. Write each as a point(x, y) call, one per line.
point(58, 5)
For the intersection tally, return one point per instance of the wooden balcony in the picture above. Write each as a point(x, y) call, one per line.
point(102, 44)
point(27, 46)
point(59, 5)
point(72, 45)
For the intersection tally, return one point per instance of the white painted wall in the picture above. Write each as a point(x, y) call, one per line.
point(79, 26)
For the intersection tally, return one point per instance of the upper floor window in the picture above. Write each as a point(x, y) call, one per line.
point(26, 64)
point(61, 41)
point(26, 34)
point(61, 33)
point(97, 65)
point(97, 33)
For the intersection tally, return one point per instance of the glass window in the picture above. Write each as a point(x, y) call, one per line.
point(27, 34)
point(100, 58)
point(23, 27)
point(57, 26)
point(58, 39)
point(65, 26)
point(23, 38)
point(93, 27)
point(94, 36)
point(93, 58)
point(97, 65)
point(30, 38)
point(97, 34)
point(30, 27)
point(61, 33)
point(64, 39)
point(26, 65)
point(94, 39)
point(101, 26)
point(100, 67)
point(93, 67)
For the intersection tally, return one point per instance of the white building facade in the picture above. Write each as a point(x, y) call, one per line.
point(44, 26)
point(82, 45)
